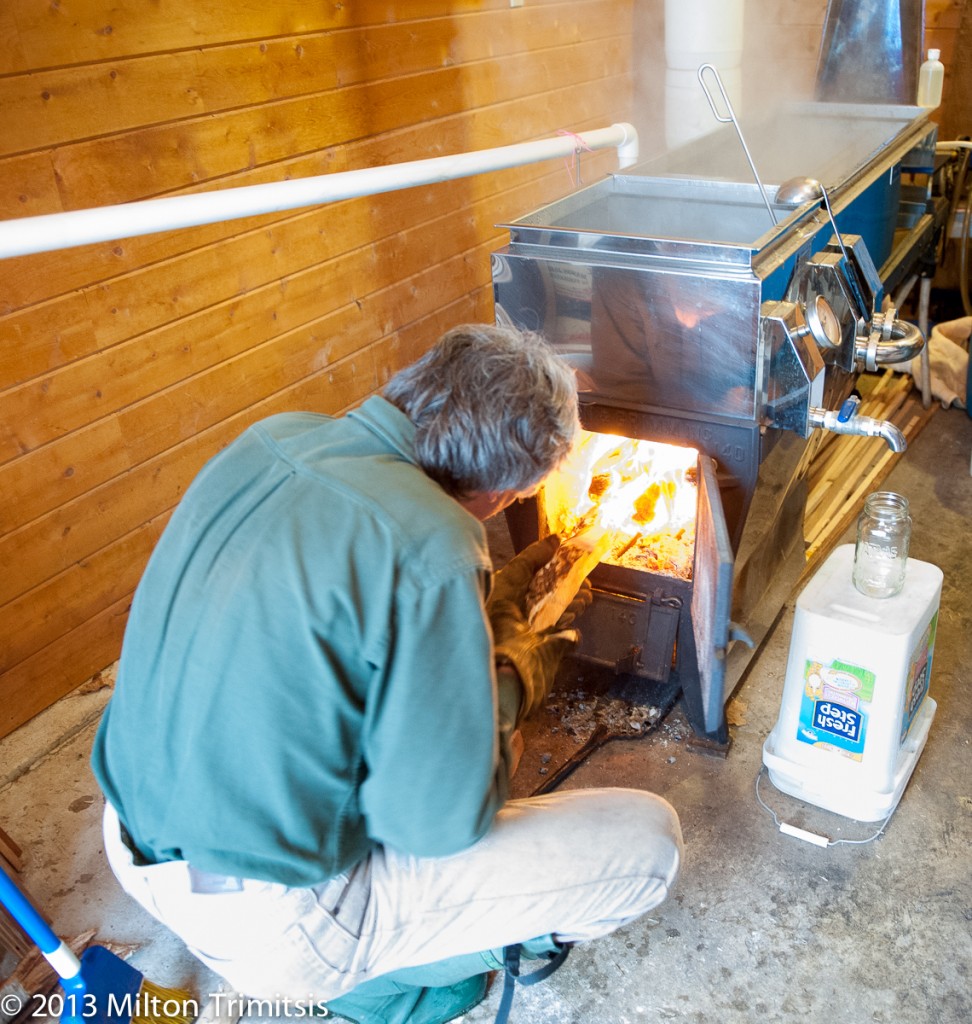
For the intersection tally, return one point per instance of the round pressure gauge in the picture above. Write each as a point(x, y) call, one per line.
point(823, 323)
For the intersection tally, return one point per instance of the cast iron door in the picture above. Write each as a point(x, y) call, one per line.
point(711, 595)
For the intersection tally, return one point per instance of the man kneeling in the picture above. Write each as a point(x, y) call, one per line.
point(307, 756)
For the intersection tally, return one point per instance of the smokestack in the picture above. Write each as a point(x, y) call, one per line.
point(870, 51)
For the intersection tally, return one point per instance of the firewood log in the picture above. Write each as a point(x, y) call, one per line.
point(556, 584)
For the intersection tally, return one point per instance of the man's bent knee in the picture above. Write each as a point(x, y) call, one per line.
point(640, 836)
point(620, 855)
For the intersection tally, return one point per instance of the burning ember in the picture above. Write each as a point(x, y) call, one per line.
point(644, 494)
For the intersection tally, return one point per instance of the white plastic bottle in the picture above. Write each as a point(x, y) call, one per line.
point(931, 75)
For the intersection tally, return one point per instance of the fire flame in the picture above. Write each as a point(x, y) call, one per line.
point(645, 493)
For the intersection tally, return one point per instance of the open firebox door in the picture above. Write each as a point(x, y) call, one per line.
point(663, 586)
point(711, 605)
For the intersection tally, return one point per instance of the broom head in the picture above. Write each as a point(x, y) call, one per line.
point(117, 993)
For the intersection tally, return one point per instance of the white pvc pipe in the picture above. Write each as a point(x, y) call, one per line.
point(106, 223)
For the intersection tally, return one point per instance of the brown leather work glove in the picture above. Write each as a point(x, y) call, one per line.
point(535, 656)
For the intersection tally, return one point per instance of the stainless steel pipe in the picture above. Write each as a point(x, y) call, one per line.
point(889, 341)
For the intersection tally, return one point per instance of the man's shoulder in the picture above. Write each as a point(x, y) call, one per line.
point(367, 476)
point(360, 482)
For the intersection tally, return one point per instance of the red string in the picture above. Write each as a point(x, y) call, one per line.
point(580, 145)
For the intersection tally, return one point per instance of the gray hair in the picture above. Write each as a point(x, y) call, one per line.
point(494, 409)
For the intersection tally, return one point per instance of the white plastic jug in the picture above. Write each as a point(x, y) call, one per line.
point(856, 712)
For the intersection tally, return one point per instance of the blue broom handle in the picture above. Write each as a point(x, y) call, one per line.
point(26, 915)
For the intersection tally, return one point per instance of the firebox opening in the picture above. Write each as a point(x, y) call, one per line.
point(642, 493)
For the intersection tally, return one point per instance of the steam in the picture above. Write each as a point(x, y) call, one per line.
point(763, 65)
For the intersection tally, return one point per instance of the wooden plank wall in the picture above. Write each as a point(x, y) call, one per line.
point(943, 22)
point(782, 46)
point(125, 365)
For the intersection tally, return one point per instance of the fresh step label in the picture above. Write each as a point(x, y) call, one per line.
point(836, 707)
point(919, 672)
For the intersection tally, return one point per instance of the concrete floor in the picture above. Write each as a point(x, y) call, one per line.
point(763, 927)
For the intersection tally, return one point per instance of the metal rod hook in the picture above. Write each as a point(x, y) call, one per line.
point(730, 118)
point(727, 118)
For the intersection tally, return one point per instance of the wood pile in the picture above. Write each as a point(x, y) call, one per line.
point(844, 469)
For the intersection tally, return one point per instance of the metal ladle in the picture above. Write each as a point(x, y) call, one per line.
point(797, 191)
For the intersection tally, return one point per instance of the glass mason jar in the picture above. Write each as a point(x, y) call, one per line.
point(883, 534)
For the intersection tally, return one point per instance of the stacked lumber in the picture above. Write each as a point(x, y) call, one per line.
point(844, 469)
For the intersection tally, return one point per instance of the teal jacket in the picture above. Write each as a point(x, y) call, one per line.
point(307, 669)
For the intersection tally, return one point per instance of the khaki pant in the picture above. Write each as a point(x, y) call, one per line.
point(576, 865)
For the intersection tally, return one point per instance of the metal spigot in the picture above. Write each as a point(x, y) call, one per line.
point(846, 420)
point(888, 341)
